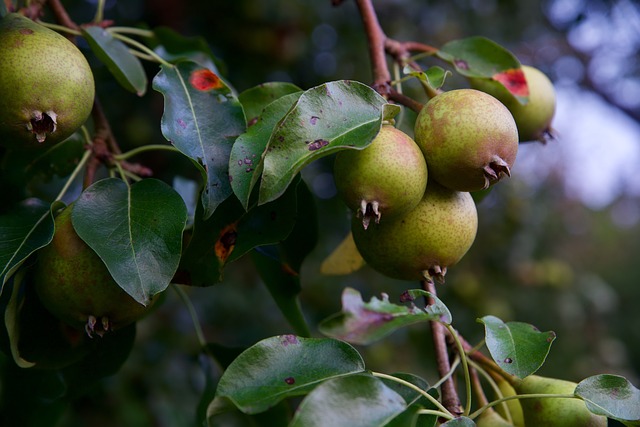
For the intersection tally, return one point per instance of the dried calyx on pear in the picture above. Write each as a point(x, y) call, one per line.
point(46, 84)
point(423, 243)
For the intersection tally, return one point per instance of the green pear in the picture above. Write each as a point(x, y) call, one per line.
point(46, 84)
point(491, 418)
point(424, 242)
point(513, 406)
point(469, 139)
point(554, 412)
point(386, 179)
point(533, 118)
point(75, 285)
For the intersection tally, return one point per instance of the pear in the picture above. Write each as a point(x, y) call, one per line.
point(75, 285)
point(513, 406)
point(423, 243)
point(46, 84)
point(469, 139)
point(533, 118)
point(490, 418)
point(552, 412)
point(386, 179)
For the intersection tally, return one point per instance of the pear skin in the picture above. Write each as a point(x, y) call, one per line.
point(552, 412)
point(46, 84)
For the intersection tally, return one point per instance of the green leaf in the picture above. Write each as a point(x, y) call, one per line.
point(479, 57)
point(174, 47)
point(231, 232)
point(202, 118)
point(284, 366)
point(246, 159)
point(23, 230)
point(123, 65)
point(351, 401)
point(434, 76)
point(284, 286)
point(279, 265)
point(325, 119)
point(364, 323)
point(460, 422)
point(255, 99)
point(518, 348)
point(612, 396)
point(136, 230)
point(415, 401)
point(212, 241)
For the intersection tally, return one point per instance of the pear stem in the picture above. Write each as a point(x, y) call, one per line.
point(465, 366)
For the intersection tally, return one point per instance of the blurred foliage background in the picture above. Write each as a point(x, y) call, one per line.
point(558, 244)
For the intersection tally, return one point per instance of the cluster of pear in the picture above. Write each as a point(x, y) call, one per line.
point(417, 192)
point(46, 84)
point(542, 409)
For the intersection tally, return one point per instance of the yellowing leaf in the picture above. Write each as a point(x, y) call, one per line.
point(344, 259)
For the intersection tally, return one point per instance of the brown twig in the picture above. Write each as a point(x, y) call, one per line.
point(376, 39)
point(409, 102)
point(450, 398)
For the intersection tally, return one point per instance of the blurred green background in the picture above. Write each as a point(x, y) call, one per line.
point(558, 244)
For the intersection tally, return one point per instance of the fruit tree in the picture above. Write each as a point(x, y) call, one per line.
point(102, 228)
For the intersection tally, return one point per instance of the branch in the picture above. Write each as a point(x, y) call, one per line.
point(450, 398)
point(376, 39)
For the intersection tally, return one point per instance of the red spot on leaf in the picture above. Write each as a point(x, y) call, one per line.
point(226, 242)
point(289, 339)
point(204, 80)
point(514, 80)
point(290, 380)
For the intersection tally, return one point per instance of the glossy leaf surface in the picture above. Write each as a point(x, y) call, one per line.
point(518, 348)
point(359, 400)
point(284, 366)
point(326, 118)
point(202, 118)
point(125, 67)
point(136, 230)
point(612, 396)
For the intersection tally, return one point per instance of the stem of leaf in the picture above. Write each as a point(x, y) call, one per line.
point(494, 387)
point(83, 161)
point(444, 378)
point(521, 396)
point(465, 366)
point(99, 12)
point(436, 413)
point(60, 28)
point(417, 389)
point(193, 314)
point(142, 47)
point(144, 148)
point(132, 31)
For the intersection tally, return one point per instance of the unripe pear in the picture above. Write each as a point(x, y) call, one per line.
point(386, 179)
point(490, 418)
point(554, 412)
point(513, 406)
point(423, 243)
point(468, 138)
point(533, 118)
point(75, 285)
point(46, 84)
